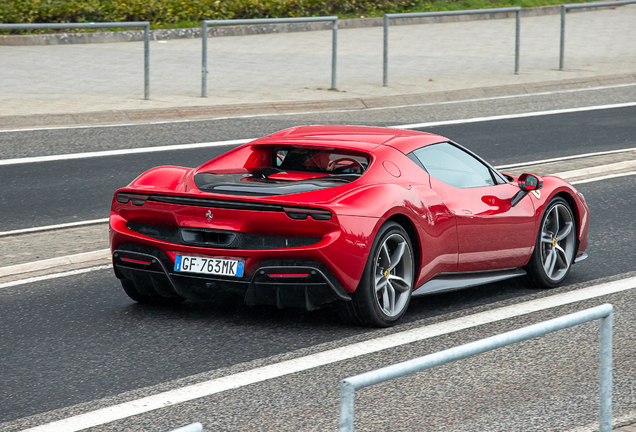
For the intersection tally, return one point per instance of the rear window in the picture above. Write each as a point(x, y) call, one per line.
point(281, 170)
point(329, 161)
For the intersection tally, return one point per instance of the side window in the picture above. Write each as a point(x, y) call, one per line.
point(454, 166)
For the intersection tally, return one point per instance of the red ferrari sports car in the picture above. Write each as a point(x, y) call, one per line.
point(360, 217)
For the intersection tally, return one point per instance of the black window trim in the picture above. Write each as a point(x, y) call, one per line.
point(498, 176)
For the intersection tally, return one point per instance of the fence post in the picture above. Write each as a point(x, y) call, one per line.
point(562, 46)
point(204, 60)
point(147, 61)
point(517, 40)
point(605, 374)
point(385, 65)
point(347, 392)
point(334, 53)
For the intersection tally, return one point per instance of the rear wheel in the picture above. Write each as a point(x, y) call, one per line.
point(384, 292)
point(148, 298)
point(555, 247)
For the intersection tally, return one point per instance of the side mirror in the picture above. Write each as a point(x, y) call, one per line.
point(530, 182)
point(527, 183)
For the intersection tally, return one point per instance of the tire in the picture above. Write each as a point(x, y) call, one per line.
point(384, 292)
point(555, 246)
point(154, 299)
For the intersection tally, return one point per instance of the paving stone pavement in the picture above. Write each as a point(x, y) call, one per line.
point(24, 248)
point(271, 73)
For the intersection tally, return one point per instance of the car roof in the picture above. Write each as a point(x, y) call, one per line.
point(352, 137)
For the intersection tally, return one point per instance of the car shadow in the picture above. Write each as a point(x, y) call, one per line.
point(234, 312)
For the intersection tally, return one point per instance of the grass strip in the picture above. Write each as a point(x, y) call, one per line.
point(167, 14)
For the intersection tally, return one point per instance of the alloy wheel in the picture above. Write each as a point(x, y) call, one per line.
point(557, 242)
point(393, 275)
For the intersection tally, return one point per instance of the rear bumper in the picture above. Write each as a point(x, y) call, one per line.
point(281, 283)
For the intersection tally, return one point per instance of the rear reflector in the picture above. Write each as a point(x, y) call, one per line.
point(291, 275)
point(134, 261)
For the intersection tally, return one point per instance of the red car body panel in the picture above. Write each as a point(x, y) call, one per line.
point(453, 230)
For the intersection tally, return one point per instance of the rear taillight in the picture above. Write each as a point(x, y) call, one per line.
point(303, 214)
point(137, 200)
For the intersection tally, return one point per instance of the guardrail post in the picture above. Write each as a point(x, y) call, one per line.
point(334, 53)
point(347, 392)
point(204, 60)
point(562, 44)
point(147, 61)
point(605, 374)
point(517, 39)
point(385, 64)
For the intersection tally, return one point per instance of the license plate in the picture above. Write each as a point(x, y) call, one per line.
point(211, 266)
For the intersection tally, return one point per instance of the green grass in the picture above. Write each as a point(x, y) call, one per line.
point(167, 14)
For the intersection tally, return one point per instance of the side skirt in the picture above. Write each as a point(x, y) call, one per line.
point(457, 281)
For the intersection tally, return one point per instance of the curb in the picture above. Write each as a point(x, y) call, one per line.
point(258, 109)
point(54, 262)
point(195, 32)
point(53, 227)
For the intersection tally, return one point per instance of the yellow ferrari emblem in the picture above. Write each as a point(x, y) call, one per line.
point(386, 274)
point(553, 242)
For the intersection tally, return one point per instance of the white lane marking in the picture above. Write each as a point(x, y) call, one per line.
point(564, 158)
point(607, 177)
point(207, 388)
point(53, 276)
point(492, 98)
point(120, 152)
point(54, 262)
point(499, 167)
point(53, 227)
point(105, 253)
point(598, 169)
point(514, 116)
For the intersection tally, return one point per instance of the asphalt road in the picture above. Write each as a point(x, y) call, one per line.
point(84, 339)
point(73, 190)
point(78, 343)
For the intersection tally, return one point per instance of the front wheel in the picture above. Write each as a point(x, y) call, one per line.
point(555, 247)
point(384, 292)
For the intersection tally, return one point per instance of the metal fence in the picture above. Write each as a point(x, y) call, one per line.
point(388, 17)
point(334, 20)
point(604, 313)
point(144, 24)
point(566, 7)
point(204, 36)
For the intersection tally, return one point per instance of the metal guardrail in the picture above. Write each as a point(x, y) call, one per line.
point(388, 17)
point(566, 7)
point(204, 37)
point(144, 24)
point(604, 312)
point(194, 427)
